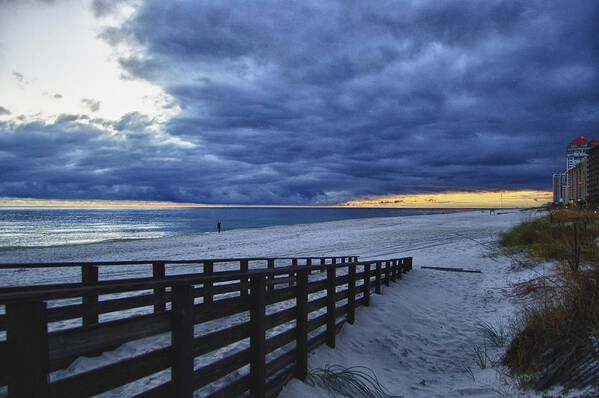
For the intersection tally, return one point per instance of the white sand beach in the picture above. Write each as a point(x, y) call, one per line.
point(418, 336)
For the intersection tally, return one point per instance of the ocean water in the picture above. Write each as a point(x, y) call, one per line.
point(43, 226)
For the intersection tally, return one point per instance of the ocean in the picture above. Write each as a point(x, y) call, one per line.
point(44, 226)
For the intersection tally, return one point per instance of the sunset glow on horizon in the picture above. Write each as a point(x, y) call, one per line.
point(505, 199)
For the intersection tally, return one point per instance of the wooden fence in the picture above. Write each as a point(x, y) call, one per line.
point(220, 333)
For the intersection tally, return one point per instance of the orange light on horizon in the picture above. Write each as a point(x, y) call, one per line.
point(505, 199)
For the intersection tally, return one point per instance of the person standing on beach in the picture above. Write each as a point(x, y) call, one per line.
point(218, 227)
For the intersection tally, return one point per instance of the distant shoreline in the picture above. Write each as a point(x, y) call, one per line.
point(38, 227)
point(110, 238)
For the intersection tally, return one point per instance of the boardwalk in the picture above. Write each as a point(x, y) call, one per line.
point(279, 314)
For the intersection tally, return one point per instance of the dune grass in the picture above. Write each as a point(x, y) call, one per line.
point(563, 307)
point(568, 236)
point(355, 381)
point(496, 335)
point(481, 357)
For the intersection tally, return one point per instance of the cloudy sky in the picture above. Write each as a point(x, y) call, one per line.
point(309, 103)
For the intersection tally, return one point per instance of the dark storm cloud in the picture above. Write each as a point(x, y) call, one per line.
point(321, 102)
point(133, 121)
point(70, 158)
point(4, 111)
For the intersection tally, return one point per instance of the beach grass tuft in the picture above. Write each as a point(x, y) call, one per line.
point(496, 335)
point(481, 357)
point(355, 381)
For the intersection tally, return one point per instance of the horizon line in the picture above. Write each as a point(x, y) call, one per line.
point(401, 201)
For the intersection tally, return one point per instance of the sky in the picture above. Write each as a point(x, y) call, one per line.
point(293, 103)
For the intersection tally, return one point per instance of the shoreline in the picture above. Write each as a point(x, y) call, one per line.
point(262, 241)
point(425, 212)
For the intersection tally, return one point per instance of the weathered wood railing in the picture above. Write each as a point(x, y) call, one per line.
point(78, 274)
point(221, 333)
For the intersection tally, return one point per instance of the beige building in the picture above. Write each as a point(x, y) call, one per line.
point(577, 183)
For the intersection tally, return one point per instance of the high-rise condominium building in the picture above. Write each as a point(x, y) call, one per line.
point(577, 150)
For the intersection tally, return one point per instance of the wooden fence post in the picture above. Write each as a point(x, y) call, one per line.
point(409, 263)
point(158, 273)
point(377, 286)
point(258, 338)
point(244, 267)
point(27, 339)
point(291, 274)
point(208, 271)
point(89, 277)
point(393, 271)
point(387, 273)
point(271, 265)
point(331, 306)
point(309, 263)
point(301, 322)
point(351, 291)
point(398, 269)
point(367, 284)
point(182, 341)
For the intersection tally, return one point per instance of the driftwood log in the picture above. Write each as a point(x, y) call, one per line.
point(453, 269)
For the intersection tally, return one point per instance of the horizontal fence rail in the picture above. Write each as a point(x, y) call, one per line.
point(222, 331)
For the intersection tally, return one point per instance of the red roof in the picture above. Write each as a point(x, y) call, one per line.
point(579, 142)
point(594, 142)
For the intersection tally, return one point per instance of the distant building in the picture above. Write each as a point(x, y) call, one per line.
point(560, 187)
point(577, 183)
point(577, 150)
point(593, 177)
